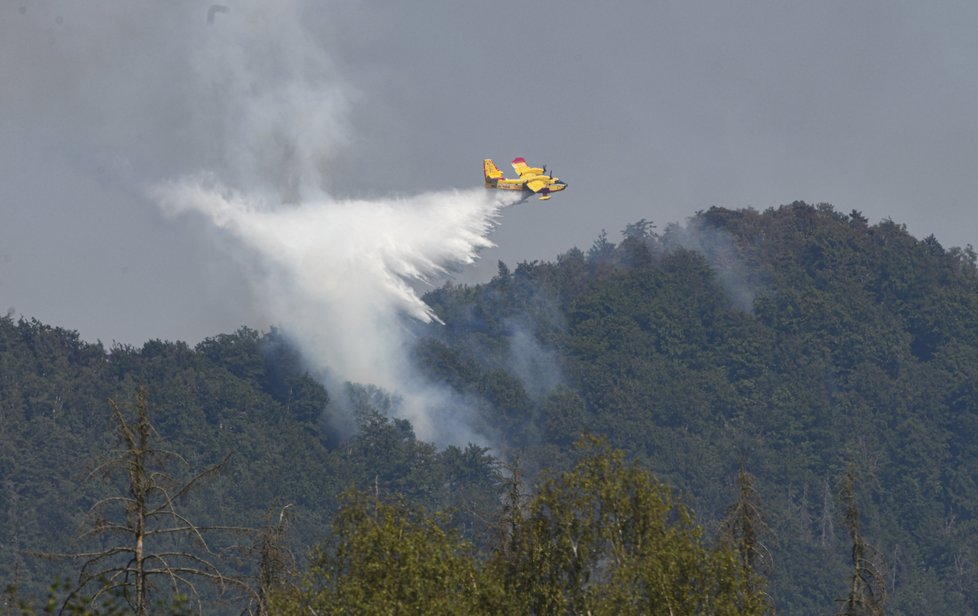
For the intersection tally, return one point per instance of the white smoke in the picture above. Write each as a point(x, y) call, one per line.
point(735, 276)
point(338, 276)
point(266, 84)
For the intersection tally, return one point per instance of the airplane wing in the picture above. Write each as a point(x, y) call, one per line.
point(536, 185)
point(521, 168)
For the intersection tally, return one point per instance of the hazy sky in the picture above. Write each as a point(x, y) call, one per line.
point(647, 109)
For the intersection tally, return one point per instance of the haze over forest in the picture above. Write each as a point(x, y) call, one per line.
point(261, 228)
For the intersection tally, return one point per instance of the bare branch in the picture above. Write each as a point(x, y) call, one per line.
point(132, 521)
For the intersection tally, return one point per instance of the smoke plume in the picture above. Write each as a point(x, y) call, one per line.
point(735, 276)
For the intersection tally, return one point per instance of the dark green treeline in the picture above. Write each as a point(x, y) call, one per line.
point(801, 342)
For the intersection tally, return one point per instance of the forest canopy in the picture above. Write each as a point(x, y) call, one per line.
point(801, 343)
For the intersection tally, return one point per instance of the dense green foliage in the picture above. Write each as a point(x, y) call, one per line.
point(602, 538)
point(387, 559)
point(241, 394)
point(607, 538)
point(798, 341)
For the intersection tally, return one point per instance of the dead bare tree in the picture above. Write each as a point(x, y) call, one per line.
point(867, 592)
point(276, 564)
point(514, 507)
point(140, 532)
point(744, 526)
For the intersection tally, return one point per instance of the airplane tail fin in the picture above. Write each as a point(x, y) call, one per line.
point(492, 174)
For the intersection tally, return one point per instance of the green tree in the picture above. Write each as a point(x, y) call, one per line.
point(608, 538)
point(387, 559)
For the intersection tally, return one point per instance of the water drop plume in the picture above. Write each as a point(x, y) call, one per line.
point(340, 276)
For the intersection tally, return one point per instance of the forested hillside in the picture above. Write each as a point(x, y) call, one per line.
point(242, 394)
point(799, 343)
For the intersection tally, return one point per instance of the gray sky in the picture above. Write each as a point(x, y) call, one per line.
point(647, 109)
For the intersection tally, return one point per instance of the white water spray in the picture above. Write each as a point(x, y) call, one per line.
point(338, 276)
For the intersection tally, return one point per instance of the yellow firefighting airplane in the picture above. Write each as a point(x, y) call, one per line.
point(532, 180)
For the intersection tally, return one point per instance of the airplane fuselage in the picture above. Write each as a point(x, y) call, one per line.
point(532, 180)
